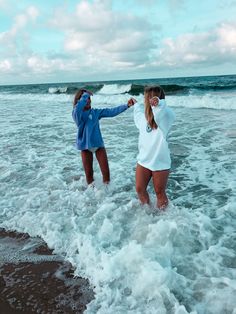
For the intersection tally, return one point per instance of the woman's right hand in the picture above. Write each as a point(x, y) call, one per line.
point(131, 102)
point(154, 101)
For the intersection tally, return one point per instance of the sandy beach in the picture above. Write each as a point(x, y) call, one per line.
point(39, 285)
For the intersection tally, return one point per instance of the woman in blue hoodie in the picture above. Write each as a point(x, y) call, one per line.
point(89, 138)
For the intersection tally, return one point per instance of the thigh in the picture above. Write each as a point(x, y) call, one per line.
point(102, 159)
point(143, 176)
point(87, 159)
point(160, 179)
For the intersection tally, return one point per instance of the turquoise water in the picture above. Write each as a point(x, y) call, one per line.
point(182, 261)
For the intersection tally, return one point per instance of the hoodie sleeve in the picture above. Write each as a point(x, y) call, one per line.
point(163, 116)
point(111, 112)
point(78, 109)
point(138, 114)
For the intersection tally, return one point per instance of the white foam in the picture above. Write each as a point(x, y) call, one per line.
point(208, 101)
point(113, 100)
point(33, 97)
point(55, 90)
point(139, 262)
point(11, 251)
point(114, 89)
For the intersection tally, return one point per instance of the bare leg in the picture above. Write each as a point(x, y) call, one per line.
point(143, 176)
point(160, 179)
point(87, 159)
point(101, 156)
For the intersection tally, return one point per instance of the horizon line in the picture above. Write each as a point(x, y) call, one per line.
point(116, 80)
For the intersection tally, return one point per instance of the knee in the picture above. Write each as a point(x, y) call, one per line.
point(140, 189)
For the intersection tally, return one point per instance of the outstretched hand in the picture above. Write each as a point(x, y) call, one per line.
point(131, 102)
point(154, 101)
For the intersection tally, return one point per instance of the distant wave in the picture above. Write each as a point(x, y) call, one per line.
point(137, 89)
point(182, 89)
point(57, 90)
point(115, 89)
point(215, 87)
point(172, 86)
point(73, 89)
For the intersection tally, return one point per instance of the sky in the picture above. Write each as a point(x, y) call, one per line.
point(76, 41)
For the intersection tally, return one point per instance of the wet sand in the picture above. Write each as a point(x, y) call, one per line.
point(33, 280)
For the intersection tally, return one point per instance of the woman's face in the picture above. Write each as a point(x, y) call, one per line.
point(88, 104)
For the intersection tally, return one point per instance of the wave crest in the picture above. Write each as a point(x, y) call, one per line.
point(115, 89)
point(57, 90)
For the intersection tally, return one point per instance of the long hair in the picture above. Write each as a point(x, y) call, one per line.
point(149, 92)
point(78, 95)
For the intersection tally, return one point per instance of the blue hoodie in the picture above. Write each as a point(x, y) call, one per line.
point(89, 134)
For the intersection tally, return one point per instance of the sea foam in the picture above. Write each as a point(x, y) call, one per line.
point(138, 261)
point(114, 89)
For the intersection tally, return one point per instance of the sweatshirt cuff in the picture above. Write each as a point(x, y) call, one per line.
point(83, 99)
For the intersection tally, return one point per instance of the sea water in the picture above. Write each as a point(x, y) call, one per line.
point(138, 260)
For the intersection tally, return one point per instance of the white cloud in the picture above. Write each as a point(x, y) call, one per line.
point(5, 66)
point(3, 3)
point(176, 4)
point(17, 34)
point(100, 41)
point(14, 43)
point(226, 36)
point(94, 16)
point(173, 5)
point(32, 12)
point(215, 46)
point(38, 64)
point(111, 37)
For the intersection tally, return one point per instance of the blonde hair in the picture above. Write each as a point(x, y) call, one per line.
point(149, 92)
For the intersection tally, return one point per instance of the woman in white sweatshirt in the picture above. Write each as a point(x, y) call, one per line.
point(154, 121)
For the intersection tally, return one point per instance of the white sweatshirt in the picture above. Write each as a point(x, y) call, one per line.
point(154, 153)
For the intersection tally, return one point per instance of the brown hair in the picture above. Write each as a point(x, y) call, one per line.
point(149, 92)
point(78, 95)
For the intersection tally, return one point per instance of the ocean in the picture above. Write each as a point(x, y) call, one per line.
point(178, 261)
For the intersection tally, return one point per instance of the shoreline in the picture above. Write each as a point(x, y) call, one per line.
point(37, 281)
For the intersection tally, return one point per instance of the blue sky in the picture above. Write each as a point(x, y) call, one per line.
point(71, 41)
